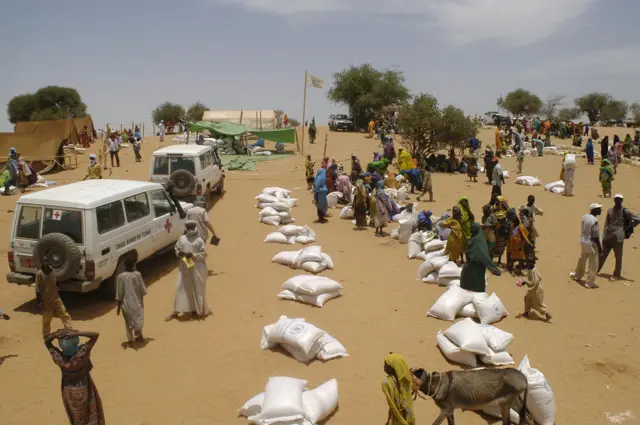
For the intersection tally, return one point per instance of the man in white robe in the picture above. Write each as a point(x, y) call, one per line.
point(191, 289)
point(130, 290)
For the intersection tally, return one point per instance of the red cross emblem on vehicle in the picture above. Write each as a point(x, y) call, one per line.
point(168, 226)
point(57, 215)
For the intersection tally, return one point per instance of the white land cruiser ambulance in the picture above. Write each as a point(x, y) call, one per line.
point(86, 230)
point(194, 170)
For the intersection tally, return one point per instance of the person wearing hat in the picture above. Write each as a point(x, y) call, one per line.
point(199, 214)
point(618, 220)
point(94, 170)
point(590, 247)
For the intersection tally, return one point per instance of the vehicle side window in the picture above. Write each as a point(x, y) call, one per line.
point(216, 158)
point(161, 203)
point(110, 216)
point(204, 163)
point(161, 165)
point(29, 223)
point(136, 207)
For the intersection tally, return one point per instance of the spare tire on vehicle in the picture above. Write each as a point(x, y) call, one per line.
point(183, 182)
point(61, 252)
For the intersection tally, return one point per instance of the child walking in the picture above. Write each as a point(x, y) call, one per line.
point(534, 299)
point(308, 167)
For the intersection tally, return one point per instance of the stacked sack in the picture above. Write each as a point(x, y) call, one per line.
point(456, 301)
point(310, 259)
point(302, 340)
point(314, 290)
point(275, 204)
point(466, 341)
point(555, 187)
point(286, 401)
point(406, 221)
point(446, 275)
point(291, 234)
point(333, 198)
point(528, 181)
point(422, 243)
point(541, 402)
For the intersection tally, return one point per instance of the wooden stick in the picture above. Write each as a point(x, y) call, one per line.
point(326, 139)
point(304, 109)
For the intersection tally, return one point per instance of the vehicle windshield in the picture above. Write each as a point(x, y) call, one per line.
point(342, 117)
point(68, 222)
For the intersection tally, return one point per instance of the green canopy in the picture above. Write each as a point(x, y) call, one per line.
point(223, 128)
point(281, 135)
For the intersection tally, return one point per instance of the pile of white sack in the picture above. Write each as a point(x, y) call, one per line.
point(292, 234)
point(275, 205)
point(541, 402)
point(406, 220)
point(436, 267)
point(422, 243)
point(310, 259)
point(286, 401)
point(528, 181)
point(456, 301)
point(314, 290)
point(302, 340)
point(332, 199)
point(555, 187)
point(400, 195)
point(466, 341)
point(227, 146)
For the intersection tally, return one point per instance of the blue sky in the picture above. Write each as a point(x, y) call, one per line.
point(127, 57)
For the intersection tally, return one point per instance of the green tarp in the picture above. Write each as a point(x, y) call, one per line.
point(246, 163)
point(282, 135)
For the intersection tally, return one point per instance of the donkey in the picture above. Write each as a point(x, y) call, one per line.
point(473, 390)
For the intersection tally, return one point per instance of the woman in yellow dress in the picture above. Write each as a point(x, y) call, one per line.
point(397, 388)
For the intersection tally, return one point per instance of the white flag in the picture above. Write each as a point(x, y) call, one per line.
point(314, 82)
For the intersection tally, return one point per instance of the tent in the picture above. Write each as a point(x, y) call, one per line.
point(262, 119)
point(30, 146)
point(60, 129)
point(281, 135)
point(81, 122)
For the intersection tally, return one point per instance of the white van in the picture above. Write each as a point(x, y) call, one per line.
point(194, 170)
point(86, 230)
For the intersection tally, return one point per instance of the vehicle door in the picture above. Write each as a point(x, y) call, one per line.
point(165, 218)
point(204, 174)
point(141, 228)
point(159, 172)
point(26, 234)
point(216, 167)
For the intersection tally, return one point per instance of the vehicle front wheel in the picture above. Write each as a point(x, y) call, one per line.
point(220, 188)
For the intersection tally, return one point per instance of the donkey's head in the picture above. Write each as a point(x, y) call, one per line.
point(420, 381)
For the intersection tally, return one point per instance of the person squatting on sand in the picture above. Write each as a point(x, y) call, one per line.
point(191, 288)
point(534, 299)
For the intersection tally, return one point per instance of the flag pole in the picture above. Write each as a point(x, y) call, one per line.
point(304, 110)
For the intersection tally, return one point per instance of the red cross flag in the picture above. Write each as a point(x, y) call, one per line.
point(57, 215)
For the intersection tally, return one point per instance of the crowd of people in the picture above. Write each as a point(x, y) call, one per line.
point(476, 245)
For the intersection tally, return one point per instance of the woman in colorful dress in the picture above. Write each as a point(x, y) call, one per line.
point(397, 387)
point(518, 240)
point(360, 205)
point(606, 177)
point(79, 393)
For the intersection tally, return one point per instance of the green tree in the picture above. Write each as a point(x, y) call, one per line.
point(455, 128)
point(48, 103)
point(196, 112)
point(592, 104)
point(520, 102)
point(418, 122)
point(568, 114)
point(550, 108)
point(168, 112)
point(615, 110)
point(366, 90)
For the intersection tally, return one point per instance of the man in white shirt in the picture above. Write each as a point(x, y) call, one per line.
point(590, 247)
point(114, 147)
point(162, 131)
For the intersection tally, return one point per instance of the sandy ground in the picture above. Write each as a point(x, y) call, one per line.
point(201, 372)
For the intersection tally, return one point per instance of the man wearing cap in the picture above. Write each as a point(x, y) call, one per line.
point(590, 247)
point(199, 214)
point(95, 170)
point(617, 221)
